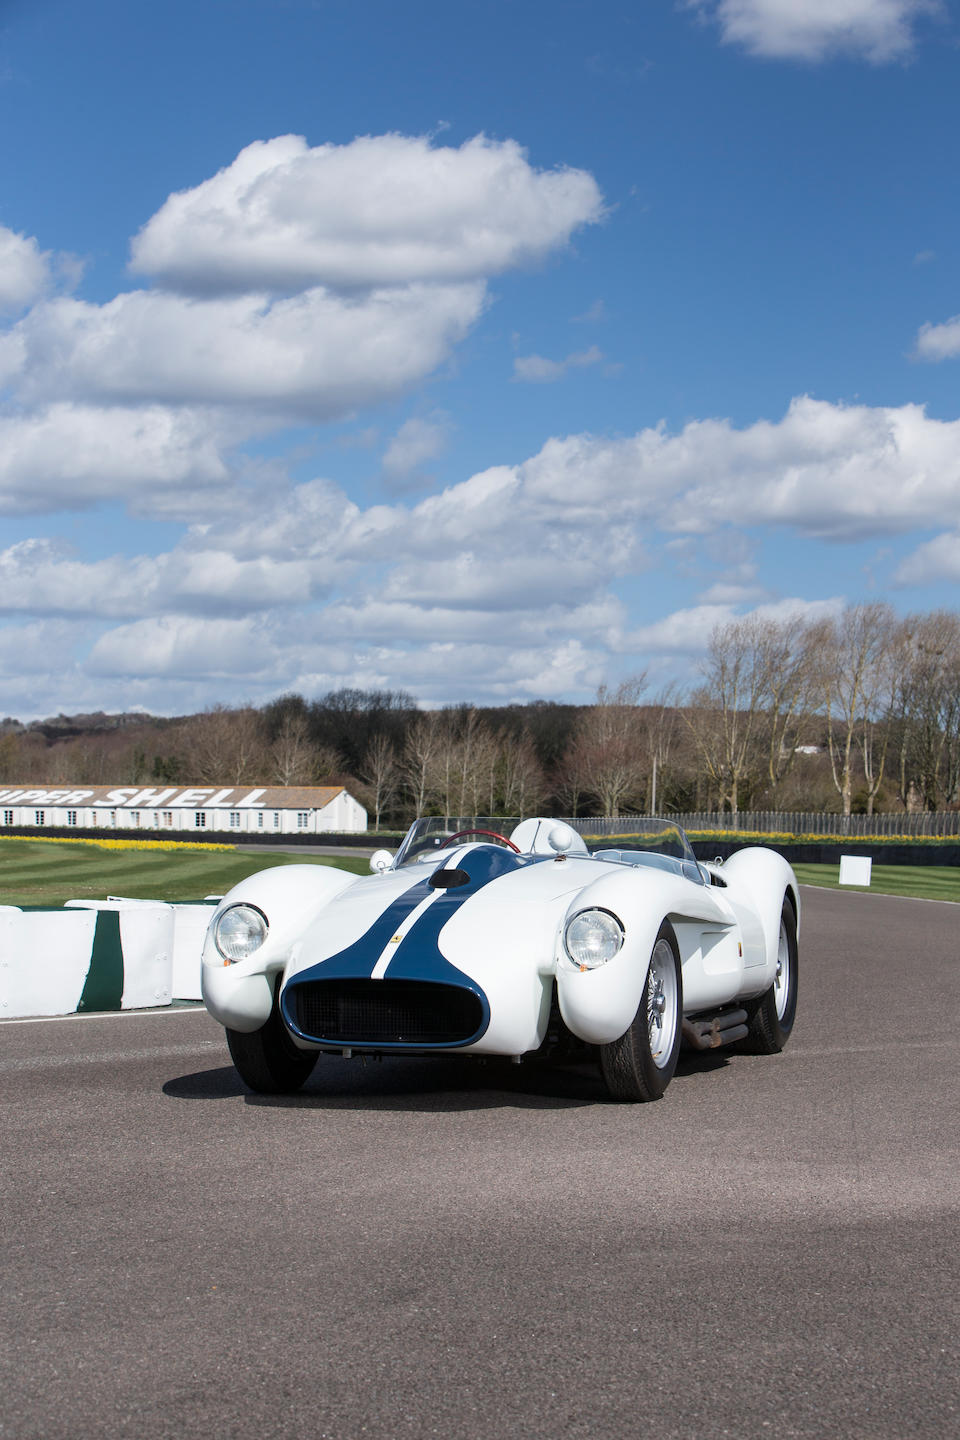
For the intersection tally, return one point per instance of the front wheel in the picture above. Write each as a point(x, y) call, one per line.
point(771, 1016)
point(640, 1065)
point(267, 1059)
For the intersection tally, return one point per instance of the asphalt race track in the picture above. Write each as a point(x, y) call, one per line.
point(436, 1248)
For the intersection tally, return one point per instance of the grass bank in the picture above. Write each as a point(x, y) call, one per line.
point(39, 872)
point(921, 882)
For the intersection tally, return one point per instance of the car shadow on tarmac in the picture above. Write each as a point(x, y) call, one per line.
point(429, 1084)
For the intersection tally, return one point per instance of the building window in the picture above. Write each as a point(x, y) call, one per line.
point(259, 819)
point(113, 818)
point(234, 819)
point(156, 819)
point(94, 818)
point(38, 817)
point(276, 819)
point(8, 817)
point(303, 819)
point(200, 818)
point(71, 817)
point(135, 816)
point(168, 818)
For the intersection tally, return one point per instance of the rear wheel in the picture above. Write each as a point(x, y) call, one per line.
point(640, 1065)
point(267, 1059)
point(771, 1016)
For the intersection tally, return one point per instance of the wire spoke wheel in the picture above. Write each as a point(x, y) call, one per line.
point(771, 1015)
point(662, 1006)
point(640, 1065)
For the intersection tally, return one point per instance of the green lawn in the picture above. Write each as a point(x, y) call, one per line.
point(924, 882)
point(44, 873)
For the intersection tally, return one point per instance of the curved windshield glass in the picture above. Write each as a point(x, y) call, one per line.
point(638, 832)
point(429, 834)
point(634, 833)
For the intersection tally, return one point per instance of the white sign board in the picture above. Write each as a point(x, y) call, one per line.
point(855, 869)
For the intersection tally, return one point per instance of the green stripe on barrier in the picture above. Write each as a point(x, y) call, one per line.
point(103, 987)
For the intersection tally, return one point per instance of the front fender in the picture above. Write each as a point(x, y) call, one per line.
point(599, 1005)
point(240, 996)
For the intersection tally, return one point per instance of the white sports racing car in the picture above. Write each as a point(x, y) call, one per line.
point(475, 942)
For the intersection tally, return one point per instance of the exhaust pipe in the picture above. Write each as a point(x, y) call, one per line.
point(722, 1029)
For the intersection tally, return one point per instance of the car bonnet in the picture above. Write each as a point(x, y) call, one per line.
point(364, 932)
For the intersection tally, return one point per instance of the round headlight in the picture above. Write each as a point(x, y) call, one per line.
point(239, 931)
point(592, 938)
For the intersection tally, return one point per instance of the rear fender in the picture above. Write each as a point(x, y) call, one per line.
point(757, 880)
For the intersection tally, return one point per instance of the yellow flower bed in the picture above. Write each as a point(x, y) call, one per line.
point(834, 839)
point(186, 845)
point(760, 837)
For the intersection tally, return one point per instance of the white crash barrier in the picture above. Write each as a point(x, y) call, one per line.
point(190, 921)
point(45, 959)
point(115, 954)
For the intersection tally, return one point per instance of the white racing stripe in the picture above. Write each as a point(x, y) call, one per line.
point(393, 944)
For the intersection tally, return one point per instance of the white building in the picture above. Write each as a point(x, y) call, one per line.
point(276, 810)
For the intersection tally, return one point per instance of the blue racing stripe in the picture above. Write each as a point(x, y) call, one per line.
point(418, 957)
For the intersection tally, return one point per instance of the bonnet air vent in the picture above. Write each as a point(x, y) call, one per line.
point(448, 879)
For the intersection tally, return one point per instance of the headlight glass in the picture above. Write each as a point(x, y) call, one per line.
point(239, 932)
point(592, 938)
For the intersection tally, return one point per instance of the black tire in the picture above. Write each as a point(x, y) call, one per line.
point(636, 1067)
point(267, 1059)
point(771, 1016)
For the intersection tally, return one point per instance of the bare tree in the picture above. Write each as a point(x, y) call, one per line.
point(292, 757)
point(418, 762)
point(10, 756)
point(472, 759)
point(570, 780)
point(725, 714)
point(853, 655)
point(382, 775)
point(225, 747)
point(658, 726)
point(520, 773)
point(926, 709)
point(786, 657)
point(607, 750)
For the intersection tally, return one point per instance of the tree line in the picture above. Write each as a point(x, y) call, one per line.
point(856, 712)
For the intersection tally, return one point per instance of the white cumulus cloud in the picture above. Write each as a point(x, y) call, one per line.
point(939, 342)
point(417, 442)
point(937, 559)
point(70, 456)
point(24, 270)
point(382, 210)
point(877, 30)
point(40, 577)
point(503, 585)
point(541, 371)
point(314, 355)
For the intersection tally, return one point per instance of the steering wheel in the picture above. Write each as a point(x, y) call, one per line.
point(493, 835)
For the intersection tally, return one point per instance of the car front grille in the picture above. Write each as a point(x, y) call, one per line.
point(385, 1012)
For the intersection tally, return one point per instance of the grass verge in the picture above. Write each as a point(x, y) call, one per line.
point(921, 882)
point(34, 872)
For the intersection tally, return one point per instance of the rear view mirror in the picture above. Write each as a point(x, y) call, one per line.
point(380, 860)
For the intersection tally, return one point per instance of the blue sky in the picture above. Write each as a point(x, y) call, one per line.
point(490, 351)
